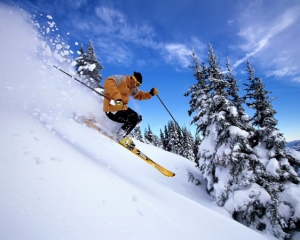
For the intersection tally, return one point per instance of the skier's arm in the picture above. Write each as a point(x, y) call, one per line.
point(110, 86)
point(139, 95)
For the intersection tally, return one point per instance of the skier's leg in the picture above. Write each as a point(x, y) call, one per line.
point(130, 119)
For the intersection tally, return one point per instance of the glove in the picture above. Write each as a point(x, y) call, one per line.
point(153, 91)
point(119, 104)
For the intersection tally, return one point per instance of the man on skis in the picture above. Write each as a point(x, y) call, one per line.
point(117, 92)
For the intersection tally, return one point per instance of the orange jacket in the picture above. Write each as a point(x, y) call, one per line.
point(118, 87)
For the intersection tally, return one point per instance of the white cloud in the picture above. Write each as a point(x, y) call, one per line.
point(258, 36)
point(115, 33)
point(177, 52)
point(284, 71)
point(117, 25)
point(271, 40)
point(112, 18)
point(180, 54)
point(114, 52)
point(296, 79)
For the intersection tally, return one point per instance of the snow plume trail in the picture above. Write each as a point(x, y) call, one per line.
point(36, 85)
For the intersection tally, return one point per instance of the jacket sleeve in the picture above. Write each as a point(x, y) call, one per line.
point(110, 86)
point(139, 95)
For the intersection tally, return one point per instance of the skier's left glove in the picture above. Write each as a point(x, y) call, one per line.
point(153, 91)
point(119, 104)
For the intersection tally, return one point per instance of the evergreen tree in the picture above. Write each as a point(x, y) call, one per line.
point(232, 150)
point(136, 133)
point(88, 67)
point(166, 139)
point(238, 161)
point(273, 172)
point(237, 101)
point(148, 135)
point(233, 89)
point(264, 112)
point(162, 140)
point(226, 157)
point(196, 149)
point(156, 141)
point(211, 122)
point(187, 145)
point(200, 99)
point(174, 143)
point(80, 61)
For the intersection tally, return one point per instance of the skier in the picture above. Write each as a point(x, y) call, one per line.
point(119, 88)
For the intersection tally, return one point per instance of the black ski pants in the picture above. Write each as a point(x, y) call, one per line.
point(129, 117)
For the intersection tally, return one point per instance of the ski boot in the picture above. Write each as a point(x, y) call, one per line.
point(127, 142)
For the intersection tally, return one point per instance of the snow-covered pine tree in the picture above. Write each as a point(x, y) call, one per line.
point(156, 141)
point(244, 121)
point(187, 145)
point(162, 140)
point(231, 156)
point(196, 149)
point(166, 139)
point(136, 133)
point(208, 97)
point(233, 88)
point(174, 143)
point(200, 105)
point(225, 154)
point(294, 158)
point(80, 61)
point(272, 170)
point(88, 67)
point(148, 136)
point(199, 96)
point(94, 67)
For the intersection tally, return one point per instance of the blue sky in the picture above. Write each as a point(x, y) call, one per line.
point(156, 38)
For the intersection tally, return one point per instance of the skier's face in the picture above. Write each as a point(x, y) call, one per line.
point(134, 83)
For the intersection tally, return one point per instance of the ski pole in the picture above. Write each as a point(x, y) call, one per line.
point(80, 82)
point(169, 113)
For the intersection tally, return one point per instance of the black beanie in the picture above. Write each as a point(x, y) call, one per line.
point(138, 77)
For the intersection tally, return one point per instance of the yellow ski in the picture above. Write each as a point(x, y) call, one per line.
point(135, 151)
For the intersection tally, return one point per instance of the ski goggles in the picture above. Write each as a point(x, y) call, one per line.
point(136, 82)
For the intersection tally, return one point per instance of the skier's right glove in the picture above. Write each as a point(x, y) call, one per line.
point(119, 104)
point(153, 91)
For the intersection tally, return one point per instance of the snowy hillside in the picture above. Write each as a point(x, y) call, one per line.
point(62, 180)
point(294, 144)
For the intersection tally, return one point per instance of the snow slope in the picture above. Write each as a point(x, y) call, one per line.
point(294, 144)
point(62, 180)
point(57, 189)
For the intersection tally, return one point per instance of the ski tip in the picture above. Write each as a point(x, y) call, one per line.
point(170, 174)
